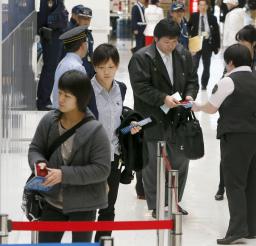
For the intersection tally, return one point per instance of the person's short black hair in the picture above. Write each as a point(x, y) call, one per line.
point(78, 84)
point(103, 53)
point(238, 54)
point(167, 28)
point(247, 33)
point(154, 2)
point(74, 46)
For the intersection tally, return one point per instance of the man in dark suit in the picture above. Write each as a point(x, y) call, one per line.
point(156, 73)
point(138, 24)
point(204, 24)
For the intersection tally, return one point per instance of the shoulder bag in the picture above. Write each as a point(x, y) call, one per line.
point(32, 201)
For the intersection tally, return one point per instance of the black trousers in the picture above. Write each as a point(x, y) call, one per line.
point(108, 214)
point(206, 54)
point(51, 57)
point(140, 41)
point(149, 172)
point(238, 160)
point(221, 184)
point(51, 213)
point(139, 184)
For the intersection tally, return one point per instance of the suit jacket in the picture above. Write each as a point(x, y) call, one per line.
point(136, 18)
point(151, 84)
point(214, 38)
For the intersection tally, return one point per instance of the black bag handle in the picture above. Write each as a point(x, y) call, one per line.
point(61, 139)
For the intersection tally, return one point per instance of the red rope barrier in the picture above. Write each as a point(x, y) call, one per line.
point(91, 226)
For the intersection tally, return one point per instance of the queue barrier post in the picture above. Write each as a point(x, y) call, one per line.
point(4, 229)
point(106, 241)
point(176, 233)
point(34, 237)
point(160, 204)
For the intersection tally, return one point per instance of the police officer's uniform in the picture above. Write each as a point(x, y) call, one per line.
point(81, 10)
point(71, 61)
point(52, 48)
point(183, 38)
point(235, 96)
point(87, 61)
point(138, 24)
point(72, 22)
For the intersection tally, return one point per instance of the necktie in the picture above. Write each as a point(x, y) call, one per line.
point(168, 66)
point(202, 24)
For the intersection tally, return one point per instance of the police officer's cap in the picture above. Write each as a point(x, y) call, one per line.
point(175, 6)
point(77, 8)
point(85, 12)
point(75, 34)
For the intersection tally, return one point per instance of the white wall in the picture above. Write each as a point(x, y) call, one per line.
point(101, 17)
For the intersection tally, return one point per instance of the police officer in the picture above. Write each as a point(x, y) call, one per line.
point(73, 19)
point(75, 44)
point(52, 20)
point(138, 24)
point(234, 97)
point(84, 18)
point(176, 13)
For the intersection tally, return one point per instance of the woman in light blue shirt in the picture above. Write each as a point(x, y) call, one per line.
point(107, 106)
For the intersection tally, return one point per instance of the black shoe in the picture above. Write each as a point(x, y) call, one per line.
point(141, 197)
point(230, 239)
point(45, 108)
point(183, 211)
point(250, 236)
point(219, 195)
point(154, 213)
point(203, 88)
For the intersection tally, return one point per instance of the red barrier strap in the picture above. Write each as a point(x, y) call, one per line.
point(91, 226)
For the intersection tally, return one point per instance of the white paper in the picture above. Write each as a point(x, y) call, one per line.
point(176, 96)
point(165, 108)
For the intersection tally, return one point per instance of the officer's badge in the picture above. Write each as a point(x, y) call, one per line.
point(215, 88)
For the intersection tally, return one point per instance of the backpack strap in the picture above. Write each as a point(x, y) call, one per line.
point(123, 89)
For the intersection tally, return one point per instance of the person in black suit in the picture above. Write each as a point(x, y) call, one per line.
point(204, 24)
point(167, 69)
point(138, 24)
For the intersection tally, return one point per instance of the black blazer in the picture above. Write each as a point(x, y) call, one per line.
point(214, 38)
point(151, 84)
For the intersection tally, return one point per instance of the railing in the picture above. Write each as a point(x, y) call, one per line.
point(163, 164)
point(173, 224)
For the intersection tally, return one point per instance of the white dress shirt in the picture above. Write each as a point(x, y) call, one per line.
point(167, 59)
point(109, 105)
point(225, 87)
point(206, 25)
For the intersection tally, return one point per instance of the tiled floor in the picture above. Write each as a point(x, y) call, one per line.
point(207, 219)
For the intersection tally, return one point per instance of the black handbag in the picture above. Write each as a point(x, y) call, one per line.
point(32, 201)
point(189, 135)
